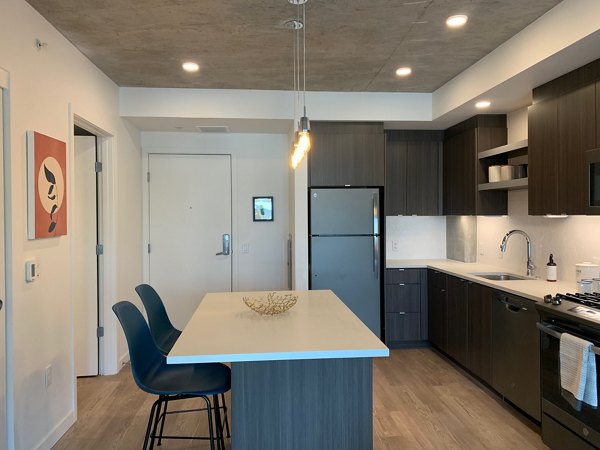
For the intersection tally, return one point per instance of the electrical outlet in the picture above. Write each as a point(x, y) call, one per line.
point(48, 376)
point(394, 245)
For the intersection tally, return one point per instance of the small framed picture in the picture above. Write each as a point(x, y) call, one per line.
point(263, 209)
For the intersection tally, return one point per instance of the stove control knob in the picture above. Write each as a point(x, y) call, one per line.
point(556, 301)
point(547, 298)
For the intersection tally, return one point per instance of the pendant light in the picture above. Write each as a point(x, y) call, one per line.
point(302, 142)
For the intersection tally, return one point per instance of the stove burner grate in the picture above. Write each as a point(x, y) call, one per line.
point(589, 300)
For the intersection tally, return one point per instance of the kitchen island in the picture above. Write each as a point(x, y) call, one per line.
point(300, 380)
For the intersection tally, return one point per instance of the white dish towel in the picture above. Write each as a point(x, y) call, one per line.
point(578, 369)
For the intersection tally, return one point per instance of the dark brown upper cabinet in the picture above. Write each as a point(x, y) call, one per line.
point(412, 173)
point(463, 171)
point(563, 125)
point(543, 158)
point(346, 154)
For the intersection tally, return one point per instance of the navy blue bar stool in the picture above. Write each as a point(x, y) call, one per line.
point(171, 382)
point(164, 333)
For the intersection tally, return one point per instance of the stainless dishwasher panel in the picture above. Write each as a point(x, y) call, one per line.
point(516, 352)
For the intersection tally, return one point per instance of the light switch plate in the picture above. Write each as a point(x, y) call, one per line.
point(32, 270)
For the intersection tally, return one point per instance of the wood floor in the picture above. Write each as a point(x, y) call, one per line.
point(420, 400)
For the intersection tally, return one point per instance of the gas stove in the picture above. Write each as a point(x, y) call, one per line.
point(579, 307)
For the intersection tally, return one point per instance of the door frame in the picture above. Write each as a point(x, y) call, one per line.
point(107, 348)
point(146, 152)
point(8, 270)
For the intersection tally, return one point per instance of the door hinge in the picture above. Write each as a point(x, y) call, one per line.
point(148, 177)
point(100, 332)
point(99, 249)
point(98, 167)
point(149, 248)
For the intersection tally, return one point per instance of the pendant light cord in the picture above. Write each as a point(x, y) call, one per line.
point(304, 52)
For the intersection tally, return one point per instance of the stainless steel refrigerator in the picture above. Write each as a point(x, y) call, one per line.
point(345, 251)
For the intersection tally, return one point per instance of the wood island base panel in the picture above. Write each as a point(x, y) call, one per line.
point(302, 404)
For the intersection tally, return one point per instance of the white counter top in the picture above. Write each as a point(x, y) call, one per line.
point(319, 326)
point(531, 289)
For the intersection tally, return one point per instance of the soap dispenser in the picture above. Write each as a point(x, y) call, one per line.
point(551, 269)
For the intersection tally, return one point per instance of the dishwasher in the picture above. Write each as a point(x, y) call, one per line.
point(516, 352)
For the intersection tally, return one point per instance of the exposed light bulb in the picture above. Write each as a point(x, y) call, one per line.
point(304, 141)
point(483, 104)
point(301, 147)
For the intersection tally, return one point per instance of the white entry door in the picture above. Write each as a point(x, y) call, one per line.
point(85, 272)
point(2, 294)
point(189, 219)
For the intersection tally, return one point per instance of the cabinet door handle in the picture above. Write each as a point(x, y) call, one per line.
point(402, 313)
point(442, 290)
point(400, 284)
point(400, 270)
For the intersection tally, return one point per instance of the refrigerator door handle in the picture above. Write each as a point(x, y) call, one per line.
point(375, 213)
point(376, 257)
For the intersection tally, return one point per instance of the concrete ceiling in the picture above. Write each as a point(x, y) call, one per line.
point(352, 45)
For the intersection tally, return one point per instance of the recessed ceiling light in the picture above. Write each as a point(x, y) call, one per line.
point(403, 71)
point(190, 66)
point(456, 21)
point(483, 104)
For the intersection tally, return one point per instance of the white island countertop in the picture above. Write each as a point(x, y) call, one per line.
point(319, 326)
point(534, 289)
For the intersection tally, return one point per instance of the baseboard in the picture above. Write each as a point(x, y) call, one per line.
point(123, 360)
point(57, 432)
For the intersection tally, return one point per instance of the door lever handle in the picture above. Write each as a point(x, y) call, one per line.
point(226, 246)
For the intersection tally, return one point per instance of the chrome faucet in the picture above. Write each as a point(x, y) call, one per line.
point(530, 265)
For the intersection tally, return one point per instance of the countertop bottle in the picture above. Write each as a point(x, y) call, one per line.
point(551, 269)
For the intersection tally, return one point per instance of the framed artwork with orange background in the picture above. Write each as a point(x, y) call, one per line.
point(46, 186)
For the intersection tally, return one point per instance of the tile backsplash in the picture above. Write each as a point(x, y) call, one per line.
point(571, 240)
point(415, 237)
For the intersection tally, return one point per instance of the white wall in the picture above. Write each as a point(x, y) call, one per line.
point(274, 105)
point(571, 240)
point(260, 164)
point(44, 85)
point(415, 237)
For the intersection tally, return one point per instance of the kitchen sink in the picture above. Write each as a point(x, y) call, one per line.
point(501, 276)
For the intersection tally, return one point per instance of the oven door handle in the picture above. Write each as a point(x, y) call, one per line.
point(551, 331)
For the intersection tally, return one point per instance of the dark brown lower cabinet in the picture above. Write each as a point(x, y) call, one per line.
point(437, 309)
point(479, 331)
point(405, 307)
point(457, 319)
point(460, 322)
point(403, 327)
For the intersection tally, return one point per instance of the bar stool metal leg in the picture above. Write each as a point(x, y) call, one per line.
point(225, 413)
point(162, 424)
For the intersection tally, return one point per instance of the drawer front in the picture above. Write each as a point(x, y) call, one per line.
point(395, 276)
point(402, 327)
point(403, 298)
point(437, 279)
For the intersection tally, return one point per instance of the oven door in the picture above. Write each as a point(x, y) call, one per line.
point(557, 411)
